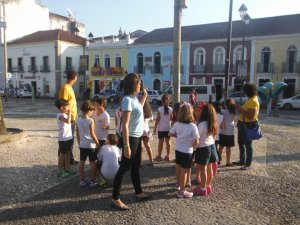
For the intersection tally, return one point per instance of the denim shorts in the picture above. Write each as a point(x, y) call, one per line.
point(206, 155)
point(183, 159)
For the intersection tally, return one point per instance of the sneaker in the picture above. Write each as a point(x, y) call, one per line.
point(185, 194)
point(63, 174)
point(71, 172)
point(209, 190)
point(83, 182)
point(157, 159)
point(199, 192)
point(93, 184)
point(103, 182)
point(177, 187)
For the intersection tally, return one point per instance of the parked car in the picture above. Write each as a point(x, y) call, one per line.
point(237, 97)
point(1, 92)
point(153, 96)
point(289, 103)
point(110, 95)
point(23, 93)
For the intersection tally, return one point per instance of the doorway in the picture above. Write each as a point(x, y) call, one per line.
point(156, 84)
point(33, 84)
point(289, 91)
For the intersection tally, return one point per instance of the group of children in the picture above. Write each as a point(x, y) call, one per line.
point(201, 130)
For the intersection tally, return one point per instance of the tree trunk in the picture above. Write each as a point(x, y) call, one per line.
point(2, 124)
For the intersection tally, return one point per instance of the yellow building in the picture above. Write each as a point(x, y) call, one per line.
point(277, 58)
point(108, 62)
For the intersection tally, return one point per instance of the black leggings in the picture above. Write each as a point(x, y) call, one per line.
point(134, 162)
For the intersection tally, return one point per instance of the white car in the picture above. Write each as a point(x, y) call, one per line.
point(153, 96)
point(25, 93)
point(289, 103)
point(237, 97)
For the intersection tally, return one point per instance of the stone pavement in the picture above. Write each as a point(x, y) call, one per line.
point(30, 192)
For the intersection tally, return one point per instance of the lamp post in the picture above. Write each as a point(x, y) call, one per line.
point(246, 20)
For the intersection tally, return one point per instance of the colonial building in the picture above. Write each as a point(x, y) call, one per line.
point(40, 61)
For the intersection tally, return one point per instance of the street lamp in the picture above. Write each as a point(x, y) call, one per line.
point(246, 20)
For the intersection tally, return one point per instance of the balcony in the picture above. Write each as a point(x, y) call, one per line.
point(45, 68)
point(218, 68)
point(265, 68)
point(139, 70)
point(98, 71)
point(290, 67)
point(69, 68)
point(32, 69)
point(157, 69)
point(199, 68)
point(20, 69)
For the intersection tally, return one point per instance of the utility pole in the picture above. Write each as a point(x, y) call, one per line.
point(177, 51)
point(228, 50)
point(3, 24)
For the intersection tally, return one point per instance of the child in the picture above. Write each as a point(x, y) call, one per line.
point(147, 133)
point(186, 134)
point(101, 119)
point(65, 137)
point(163, 125)
point(227, 135)
point(174, 114)
point(109, 157)
point(206, 153)
point(87, 142)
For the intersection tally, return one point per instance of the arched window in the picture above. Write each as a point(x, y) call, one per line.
point(219, 56)
point(157, 63)
point(291, 58)
point(199, 60)
point(140, 63)
point(265, 60)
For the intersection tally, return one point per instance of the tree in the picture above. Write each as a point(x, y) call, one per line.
point(2, 124)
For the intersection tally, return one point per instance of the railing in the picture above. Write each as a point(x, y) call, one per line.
point(20, 68)
point(45, 68)
point(139, 70)
point(98, 71)
point(265, 68)
point(32, 69)
point(157, 69)
point(290, 67)
point(199, 69)
point(218, 68)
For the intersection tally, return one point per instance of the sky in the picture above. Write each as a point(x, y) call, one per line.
point(105, 17)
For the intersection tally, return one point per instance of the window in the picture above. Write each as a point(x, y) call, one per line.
point(32, 65)
point(118, 60)
point(238, 54)
point(157, 63)
point(291, 57)
point(20, 65)
point(96, 60)
point(68, 64)
point(140, 63)
point(46, 64)
point(9, 66)
point(199, 57)
point(219, 58)
point(107, 61)
point(265, 59)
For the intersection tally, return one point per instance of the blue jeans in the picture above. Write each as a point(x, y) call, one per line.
point(245, 146)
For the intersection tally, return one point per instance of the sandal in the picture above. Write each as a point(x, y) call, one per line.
point(167, 158)
point(121, 208)
point(157, 158)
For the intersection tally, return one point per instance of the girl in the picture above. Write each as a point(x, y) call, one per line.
point(101, 119)
point(227, 135)
point(65, 137)
point(206, 153)
point(163, 125)
point(87, 142)
point(109, 158)
point(186, 134)
point(146, 132)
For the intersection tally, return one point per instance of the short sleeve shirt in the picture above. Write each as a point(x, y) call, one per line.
point(251, 103)
point(136, 121)
point(66, 92)
point(100, 121)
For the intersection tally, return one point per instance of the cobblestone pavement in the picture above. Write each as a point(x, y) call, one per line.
point(30, 192)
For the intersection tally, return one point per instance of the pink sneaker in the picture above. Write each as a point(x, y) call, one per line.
point(209, 190)
point(184, 194)
point(199, 192)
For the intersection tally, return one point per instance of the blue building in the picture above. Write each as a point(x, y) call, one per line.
point(153, 62)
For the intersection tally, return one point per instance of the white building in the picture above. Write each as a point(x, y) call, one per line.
point(41, 60)
point(24, 17)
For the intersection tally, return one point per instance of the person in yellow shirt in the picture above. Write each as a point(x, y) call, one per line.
point(248, 115)
point(66, 92)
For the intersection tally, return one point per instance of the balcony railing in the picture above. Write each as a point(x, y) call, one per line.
point(265, 68)
point(32, 69)
point(290, 67)
point(98, 71)
point(218, 68)
point(45, 68)
point(139, 70)
point(157, 69)
point(199, 69)
point(69, 68)
point(20, 68)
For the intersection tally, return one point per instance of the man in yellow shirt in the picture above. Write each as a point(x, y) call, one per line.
point(66, 92)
